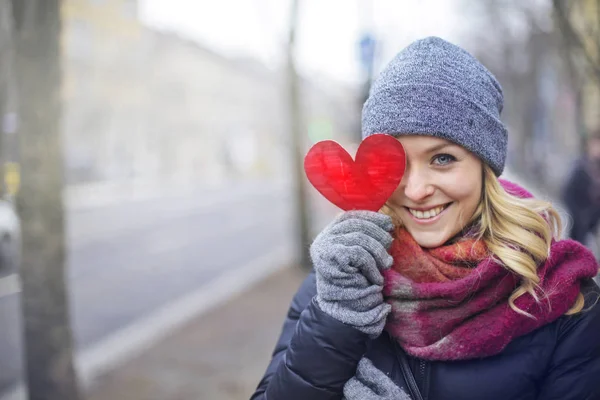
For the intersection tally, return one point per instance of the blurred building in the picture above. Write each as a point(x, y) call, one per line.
point(147, 105)
point(103, 92)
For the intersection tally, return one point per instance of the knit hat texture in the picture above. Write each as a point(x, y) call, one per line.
point(436, 88)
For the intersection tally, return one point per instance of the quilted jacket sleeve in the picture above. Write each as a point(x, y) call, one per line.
point(574, 372)
point(315, 354)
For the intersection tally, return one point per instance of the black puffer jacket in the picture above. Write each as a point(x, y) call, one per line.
point(315, 356)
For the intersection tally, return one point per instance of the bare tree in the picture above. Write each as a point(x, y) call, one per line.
point(48, 340)
point(514, 50)
point(296, 126)
point(581, 31)
point(519, 41)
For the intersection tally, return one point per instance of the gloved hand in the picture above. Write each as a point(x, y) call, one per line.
point(369, 383)
point(348, 256)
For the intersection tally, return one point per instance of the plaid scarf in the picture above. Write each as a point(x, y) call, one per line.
point(451, 302)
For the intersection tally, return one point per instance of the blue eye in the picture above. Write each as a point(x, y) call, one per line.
point(443, 159)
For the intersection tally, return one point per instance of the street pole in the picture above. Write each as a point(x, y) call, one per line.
point(50, 372)
point(367, 49)
point(297, 148)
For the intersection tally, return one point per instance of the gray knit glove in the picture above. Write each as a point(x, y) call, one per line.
point(348, 256)
point(369, 383)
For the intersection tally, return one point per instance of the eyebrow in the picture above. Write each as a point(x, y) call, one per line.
point(439, 147)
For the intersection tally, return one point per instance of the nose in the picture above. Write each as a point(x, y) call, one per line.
point(417, 185)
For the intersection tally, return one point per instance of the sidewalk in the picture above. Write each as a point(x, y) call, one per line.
point(219, 356)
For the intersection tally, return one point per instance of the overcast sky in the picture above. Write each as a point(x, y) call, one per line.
point(328, 33)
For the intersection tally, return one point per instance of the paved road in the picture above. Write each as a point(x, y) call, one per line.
point(128, 259)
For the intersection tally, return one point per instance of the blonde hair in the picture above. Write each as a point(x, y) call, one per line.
point(518, 232)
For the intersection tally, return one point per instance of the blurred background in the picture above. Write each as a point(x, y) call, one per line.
point(155, 218)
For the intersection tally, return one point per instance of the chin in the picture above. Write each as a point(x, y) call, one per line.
point(429, 240)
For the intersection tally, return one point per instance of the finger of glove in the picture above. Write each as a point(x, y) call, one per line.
point(340, 261)
point(334, 292)
point(365, 234)
point(377, 381)
point(354, 389)
point(373, 251)
point(368, 228)
point(379, 219)
point(373, 320)
point(334, 254)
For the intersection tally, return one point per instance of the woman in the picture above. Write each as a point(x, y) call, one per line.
point(457, 288)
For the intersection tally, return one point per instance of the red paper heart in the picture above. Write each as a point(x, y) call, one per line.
point(364, 184)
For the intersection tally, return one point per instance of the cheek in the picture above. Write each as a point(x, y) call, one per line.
point(460, 190)
point(464, 187)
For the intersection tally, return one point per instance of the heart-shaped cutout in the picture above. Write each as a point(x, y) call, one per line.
point(362, 184)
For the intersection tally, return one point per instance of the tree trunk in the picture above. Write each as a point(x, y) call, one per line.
point(296, 125)
point(48, 341)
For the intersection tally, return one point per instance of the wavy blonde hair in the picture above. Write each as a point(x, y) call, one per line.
point(518, 232)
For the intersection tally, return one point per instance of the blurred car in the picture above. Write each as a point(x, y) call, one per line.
point(11, 365)
point(10, 239)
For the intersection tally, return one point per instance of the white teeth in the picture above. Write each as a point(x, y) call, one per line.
point(426, 214)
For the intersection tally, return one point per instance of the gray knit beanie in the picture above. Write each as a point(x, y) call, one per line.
point(435, 88)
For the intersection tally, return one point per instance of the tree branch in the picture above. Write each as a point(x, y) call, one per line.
point(573, 38)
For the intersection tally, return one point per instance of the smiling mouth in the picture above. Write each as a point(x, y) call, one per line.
point(428, 214)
